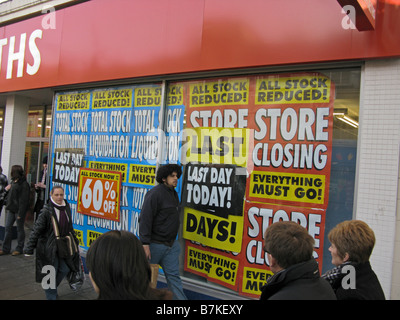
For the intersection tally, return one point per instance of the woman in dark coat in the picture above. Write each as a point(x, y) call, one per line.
point(352, 243)
point(17, 205)
point(44, 240)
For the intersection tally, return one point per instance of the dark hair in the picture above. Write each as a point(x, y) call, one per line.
point(289, 243)
point(164, 171)
point(17, 172)
point(56, 187)
point(119, 267)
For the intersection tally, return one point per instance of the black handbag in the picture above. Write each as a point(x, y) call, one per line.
point(68, 249)
point(76, 278)
point(66, 245)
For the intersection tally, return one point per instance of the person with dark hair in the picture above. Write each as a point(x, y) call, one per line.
point(17, 203)
point(352, 243)
point(159, 225)
point(55, 214)
point(119, 269)
point(289, 249)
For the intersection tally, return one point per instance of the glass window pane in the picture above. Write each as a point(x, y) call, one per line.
point(2, 114)
point(35, 122)
point(31, 161)
point(48, 122)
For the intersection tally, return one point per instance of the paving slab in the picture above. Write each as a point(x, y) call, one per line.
point(17, 282)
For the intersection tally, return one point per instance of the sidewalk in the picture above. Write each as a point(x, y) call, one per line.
point(17, 282)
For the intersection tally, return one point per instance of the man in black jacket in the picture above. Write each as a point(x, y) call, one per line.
point(290, 254)
point(16, 208)
point(159, 225)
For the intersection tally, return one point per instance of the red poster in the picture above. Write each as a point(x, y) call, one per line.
point(292, 120)
point(254, 267)
point(99, 193)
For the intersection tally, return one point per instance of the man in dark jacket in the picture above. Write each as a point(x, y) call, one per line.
point(159, 225)
point(296, 276)
point(16, 208)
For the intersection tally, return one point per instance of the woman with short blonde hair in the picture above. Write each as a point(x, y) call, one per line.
point(355, 238)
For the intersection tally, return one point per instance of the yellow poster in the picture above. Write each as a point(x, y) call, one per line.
point(217, 145)
point(118, 98)
point(219, 93)
point(293, 90)
point(307, 188)
point(213, 231)
point(218, 268)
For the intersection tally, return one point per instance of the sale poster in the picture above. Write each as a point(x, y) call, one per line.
point(274, 135)
point(98, 193)
point(254, 266)
point(104, 153)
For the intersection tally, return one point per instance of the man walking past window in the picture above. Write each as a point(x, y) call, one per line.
point(159, 225)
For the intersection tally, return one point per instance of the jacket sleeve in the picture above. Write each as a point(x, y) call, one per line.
point(149, 209)
point(38, 230)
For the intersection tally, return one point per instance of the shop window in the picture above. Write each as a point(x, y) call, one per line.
point(300, 130)
point(35, 122)
point(47, 130)
point(254, 148)
point(37, 141)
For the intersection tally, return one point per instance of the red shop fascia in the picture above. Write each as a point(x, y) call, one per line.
point(109, 40)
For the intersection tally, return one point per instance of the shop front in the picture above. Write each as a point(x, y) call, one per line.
point(266, 127)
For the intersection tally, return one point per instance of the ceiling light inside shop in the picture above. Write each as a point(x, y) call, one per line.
point(341, 114)
point(348, 120)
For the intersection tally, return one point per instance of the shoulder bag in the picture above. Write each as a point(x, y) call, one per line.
point(66, 246)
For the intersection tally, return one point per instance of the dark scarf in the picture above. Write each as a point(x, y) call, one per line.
point(62, 220)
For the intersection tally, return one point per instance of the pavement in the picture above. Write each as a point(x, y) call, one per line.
point(17, 281)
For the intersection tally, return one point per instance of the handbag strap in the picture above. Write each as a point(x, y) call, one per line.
point(55, 227)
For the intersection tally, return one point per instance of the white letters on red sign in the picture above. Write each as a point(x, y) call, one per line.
point(17, 53)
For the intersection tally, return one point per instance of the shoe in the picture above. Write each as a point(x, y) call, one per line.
point(2, 253)
point(15, 253)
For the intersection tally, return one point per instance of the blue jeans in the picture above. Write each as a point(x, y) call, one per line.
point(62, 270)
point(168, 258)
point(10, 219)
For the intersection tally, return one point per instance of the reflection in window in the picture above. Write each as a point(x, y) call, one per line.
point(35, 122)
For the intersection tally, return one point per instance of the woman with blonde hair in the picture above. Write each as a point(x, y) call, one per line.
point(352, 243)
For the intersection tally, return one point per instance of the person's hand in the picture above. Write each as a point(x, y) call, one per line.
point(146, 248)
